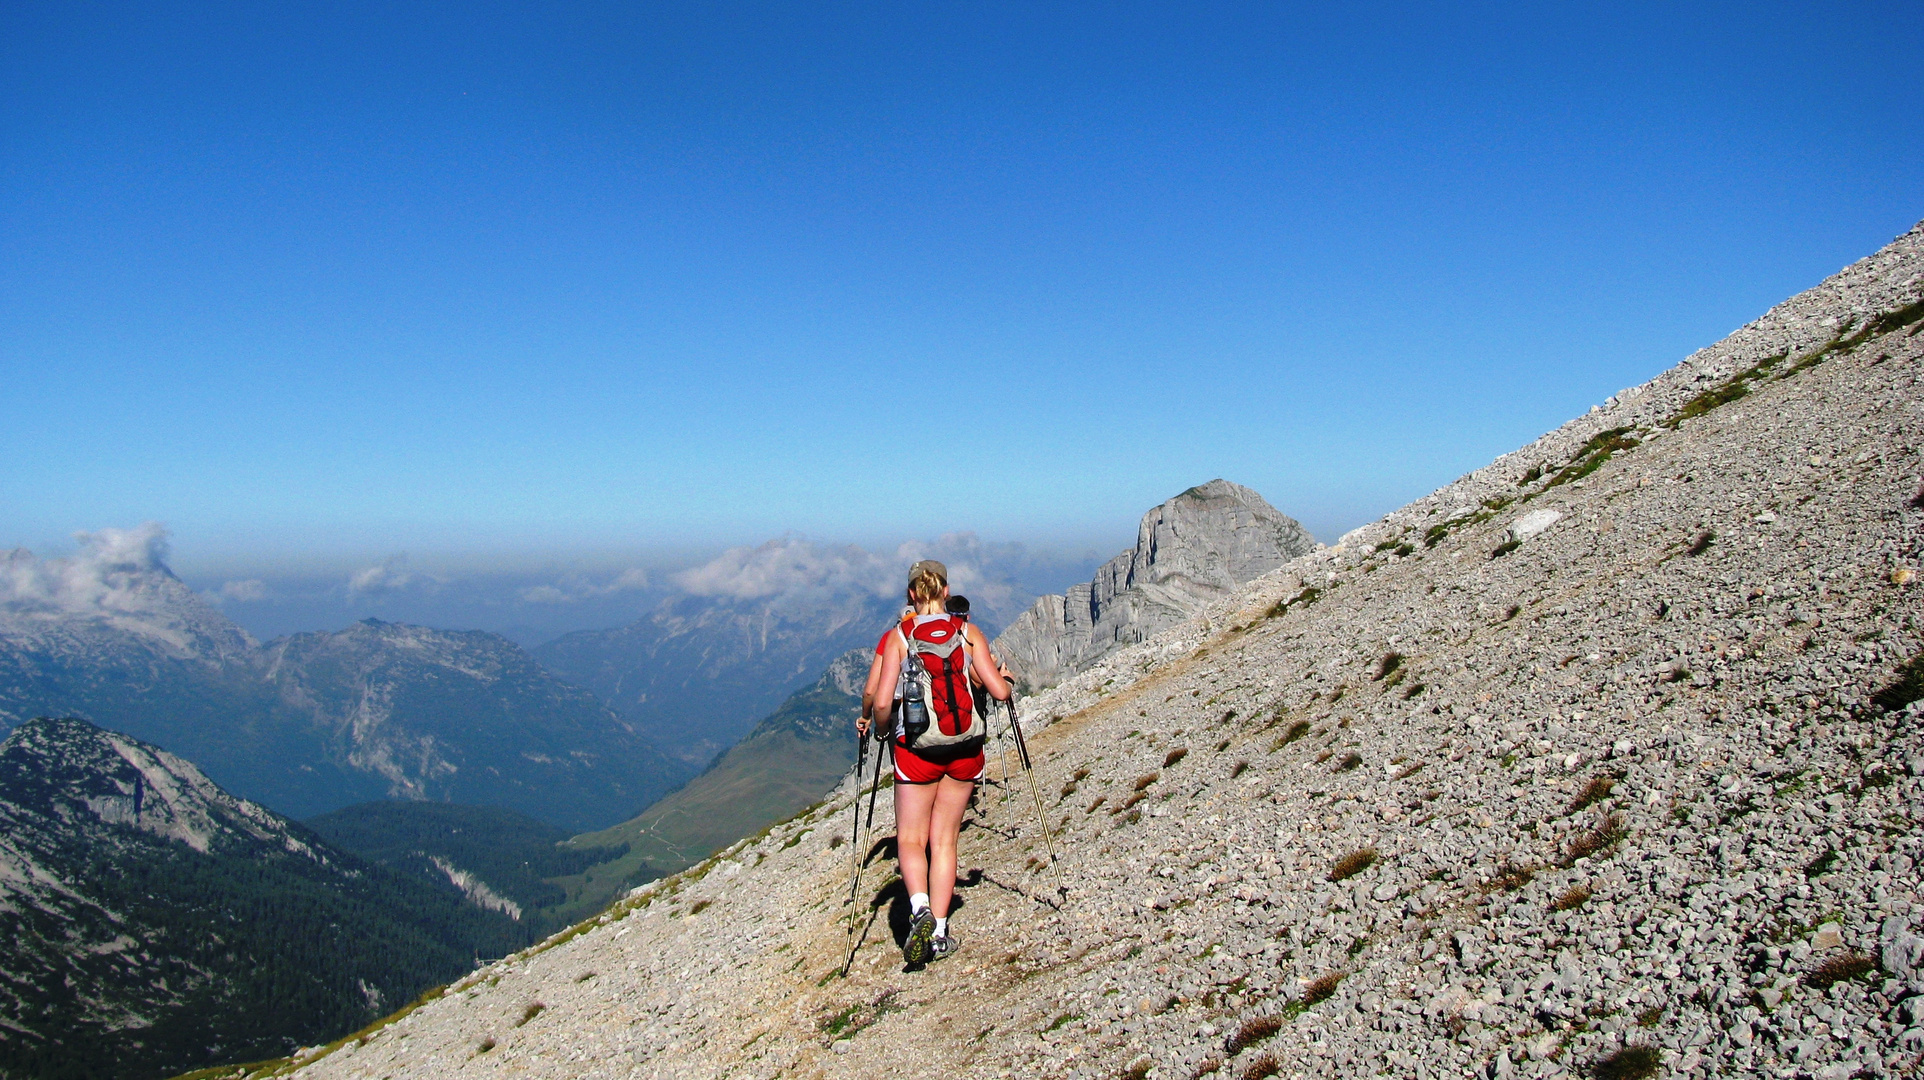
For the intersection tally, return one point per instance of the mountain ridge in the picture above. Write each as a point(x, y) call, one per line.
point(312, 721)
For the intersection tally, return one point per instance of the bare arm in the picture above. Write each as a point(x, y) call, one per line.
point(887, 667)
point(868, 693)
point(985, 668)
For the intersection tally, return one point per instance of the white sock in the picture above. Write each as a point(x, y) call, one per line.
point(941, 927)
point(918, 902)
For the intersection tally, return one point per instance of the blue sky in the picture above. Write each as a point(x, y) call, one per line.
point(513, 283)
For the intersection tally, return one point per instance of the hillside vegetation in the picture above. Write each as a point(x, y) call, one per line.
point(786, 764)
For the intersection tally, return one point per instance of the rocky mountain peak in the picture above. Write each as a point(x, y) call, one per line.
point(115, 588)
point(72, 771)
point(1198, 546)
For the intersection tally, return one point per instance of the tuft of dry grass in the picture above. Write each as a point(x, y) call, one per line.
point(1290, 734)
point(1353, 864)
point(1510, 877)
point(584, 976)
point(1701, 544)
point(1175, 755)
point(1350, 761)
point(1608, 833)
point(1575, 898)
point(1138, 1071)
point(1100, 799)
point(1852, 965)
point(486, 1045)
point(1253, 1030)
point(1597, 790)
point(1068, 789)
point(1387, 666)
point(1237, 769)
point(1206, 1067)
point(1322, 988)
point(1145, 781)
point(1263, 1068)
point(533, 1010)
point(1629, 1063)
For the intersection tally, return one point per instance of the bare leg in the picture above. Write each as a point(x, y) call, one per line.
point(945, 826)
point(913, 803)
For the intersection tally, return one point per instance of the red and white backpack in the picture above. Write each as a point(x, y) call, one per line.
point(936, 655)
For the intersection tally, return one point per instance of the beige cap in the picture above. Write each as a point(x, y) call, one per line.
point(932, 567)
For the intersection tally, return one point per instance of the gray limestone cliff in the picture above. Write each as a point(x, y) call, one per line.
point(1197, 547)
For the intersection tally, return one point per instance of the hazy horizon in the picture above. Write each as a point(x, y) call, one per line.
point(516, 287)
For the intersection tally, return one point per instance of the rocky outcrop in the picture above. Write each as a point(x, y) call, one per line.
point(1635, 790)
point(1195, 548)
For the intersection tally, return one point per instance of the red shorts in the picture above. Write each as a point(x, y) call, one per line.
point(911, 768)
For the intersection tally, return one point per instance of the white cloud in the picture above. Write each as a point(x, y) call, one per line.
point(575, 588)
point(390, 575)
point(790, 567)
point(245, 591)
point(795, 569)
point(117, 577)
point(112, 572)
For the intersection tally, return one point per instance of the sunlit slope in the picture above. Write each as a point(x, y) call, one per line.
point(1602, 758)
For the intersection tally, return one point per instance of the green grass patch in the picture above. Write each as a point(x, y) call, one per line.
point(1591, 455)
point(1309, 595)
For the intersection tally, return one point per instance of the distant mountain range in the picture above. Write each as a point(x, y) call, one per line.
point(313, 722)
point(155, 923)
point(697, 675)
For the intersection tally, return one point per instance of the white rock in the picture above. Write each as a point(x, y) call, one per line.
point(1534, 522)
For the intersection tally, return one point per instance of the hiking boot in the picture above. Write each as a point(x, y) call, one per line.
point(919, 946)
point(943, 946)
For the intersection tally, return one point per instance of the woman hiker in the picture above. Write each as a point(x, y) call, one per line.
point(938, 739)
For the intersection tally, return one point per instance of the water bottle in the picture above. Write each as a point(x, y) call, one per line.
point(915, 711)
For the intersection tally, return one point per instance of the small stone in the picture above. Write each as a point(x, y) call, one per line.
point(1902, 575)
point(1828, 936)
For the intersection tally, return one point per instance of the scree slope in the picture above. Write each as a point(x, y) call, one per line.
point(1603, 758)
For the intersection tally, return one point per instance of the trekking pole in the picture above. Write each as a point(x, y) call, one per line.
point(861, 852)
point(855, 810)
point(1041, 816)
